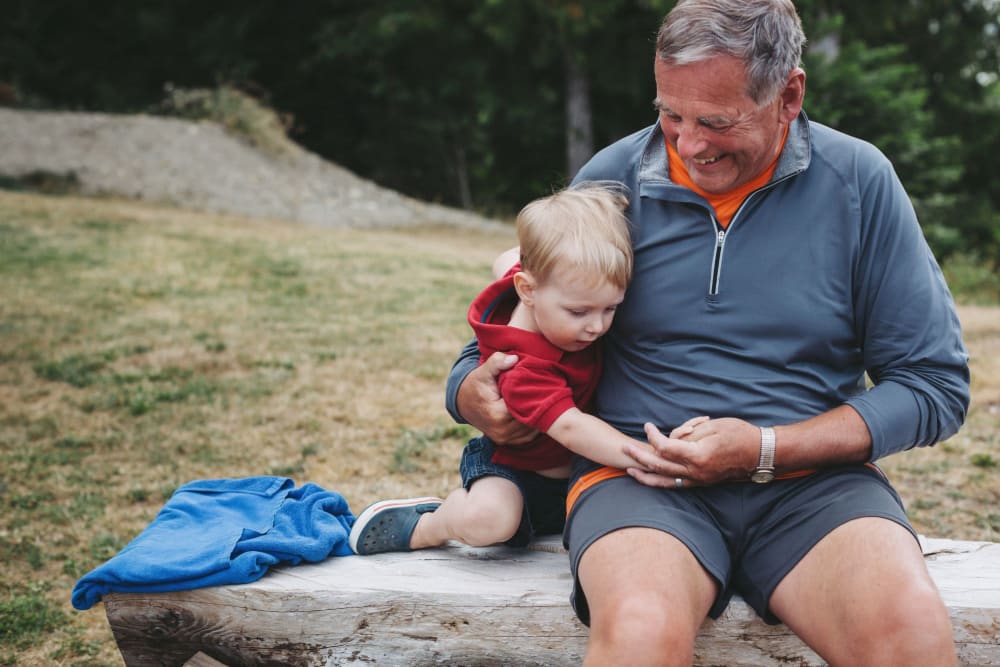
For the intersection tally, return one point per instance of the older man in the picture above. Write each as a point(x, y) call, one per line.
point(777, 262)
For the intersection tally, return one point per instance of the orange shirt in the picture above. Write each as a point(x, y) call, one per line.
point(727, 203)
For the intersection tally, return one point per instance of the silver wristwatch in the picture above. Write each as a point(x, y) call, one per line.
point(765, 466)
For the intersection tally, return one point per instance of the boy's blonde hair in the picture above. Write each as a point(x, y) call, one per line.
point(583, 228)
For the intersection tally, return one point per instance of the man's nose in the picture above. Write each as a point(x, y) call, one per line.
point(690, 140)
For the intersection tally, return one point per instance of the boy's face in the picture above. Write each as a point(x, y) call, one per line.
point(573, 310)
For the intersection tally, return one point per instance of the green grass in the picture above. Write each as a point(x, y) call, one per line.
point(26, 615)
point(144, 347)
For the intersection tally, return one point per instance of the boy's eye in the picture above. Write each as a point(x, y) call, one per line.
point(577, 313)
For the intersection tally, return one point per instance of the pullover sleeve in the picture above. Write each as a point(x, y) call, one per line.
point(908, 327)
point(467, 361)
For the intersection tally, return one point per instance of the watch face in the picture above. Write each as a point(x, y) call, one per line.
point(762, 476)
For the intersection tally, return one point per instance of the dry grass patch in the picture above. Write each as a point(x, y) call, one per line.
point(953, 490)
point(144, 347)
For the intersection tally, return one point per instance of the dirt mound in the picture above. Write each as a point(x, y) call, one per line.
point(198, 165)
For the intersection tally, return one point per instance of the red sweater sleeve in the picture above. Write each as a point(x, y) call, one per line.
point(536, 393)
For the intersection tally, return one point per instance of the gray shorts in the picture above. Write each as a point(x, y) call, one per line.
point(747, 536)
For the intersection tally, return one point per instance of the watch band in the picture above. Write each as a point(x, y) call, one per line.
point(765, 465)
point(766, 448)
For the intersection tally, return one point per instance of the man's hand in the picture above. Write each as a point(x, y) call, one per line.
point(707, 451)
point(480, 403)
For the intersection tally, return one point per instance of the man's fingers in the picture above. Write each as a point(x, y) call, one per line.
point(483, 407)
point(688, 427)
point(646, 458)
point(648, 478)
point(520, 435)
point(659, 480)
point(665, 446)
point(498, 362)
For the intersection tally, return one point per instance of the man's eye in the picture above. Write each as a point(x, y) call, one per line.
point(717, 127)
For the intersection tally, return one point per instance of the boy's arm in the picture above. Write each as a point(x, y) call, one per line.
point(594, 439)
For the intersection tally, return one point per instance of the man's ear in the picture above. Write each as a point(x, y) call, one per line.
point(525, 285)
point(793, 94)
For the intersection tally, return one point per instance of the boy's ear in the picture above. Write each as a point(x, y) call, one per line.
point(525, 285)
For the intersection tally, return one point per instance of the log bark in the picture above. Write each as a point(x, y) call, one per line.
point(483, 607)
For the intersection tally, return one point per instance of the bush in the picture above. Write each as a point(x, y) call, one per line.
point(26, 615)
point(239, 113)
point(971, 279)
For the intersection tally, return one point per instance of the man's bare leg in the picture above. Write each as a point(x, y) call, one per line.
point(648, 597)
point(863, 596)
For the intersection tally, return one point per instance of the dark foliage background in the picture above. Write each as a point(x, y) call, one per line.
point(468, 104)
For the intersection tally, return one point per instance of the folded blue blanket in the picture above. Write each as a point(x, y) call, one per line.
point(224, 531)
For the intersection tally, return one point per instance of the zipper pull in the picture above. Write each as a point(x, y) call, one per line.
point(721, 239)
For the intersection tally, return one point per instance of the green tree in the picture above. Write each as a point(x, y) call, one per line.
point(918, 79)
point(471, 102)
point(490, 104)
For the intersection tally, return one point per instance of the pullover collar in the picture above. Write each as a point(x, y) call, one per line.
point(654, 174)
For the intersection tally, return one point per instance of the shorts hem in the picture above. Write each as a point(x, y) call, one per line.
point(765, 612)
point(579, 603)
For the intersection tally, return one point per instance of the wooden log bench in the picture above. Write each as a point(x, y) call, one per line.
point(465, 606)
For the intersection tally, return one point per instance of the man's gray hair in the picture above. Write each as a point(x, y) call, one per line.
point(765, 35)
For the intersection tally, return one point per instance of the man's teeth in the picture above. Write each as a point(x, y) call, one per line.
point(709, 160)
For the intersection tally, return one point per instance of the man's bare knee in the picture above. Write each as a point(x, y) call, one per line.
point(644, 625)
point(648, 596)
point(915, 631)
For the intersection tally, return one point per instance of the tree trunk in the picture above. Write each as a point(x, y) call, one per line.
point(462, 176)
point(579, 116)
point(827, 44)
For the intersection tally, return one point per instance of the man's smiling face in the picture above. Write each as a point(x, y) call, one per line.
point(724, 138)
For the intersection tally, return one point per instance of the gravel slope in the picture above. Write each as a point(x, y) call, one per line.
point(198, 165)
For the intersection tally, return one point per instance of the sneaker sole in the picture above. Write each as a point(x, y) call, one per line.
point(375, 508)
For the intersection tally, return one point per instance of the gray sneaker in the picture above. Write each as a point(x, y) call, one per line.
point(388, 525)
